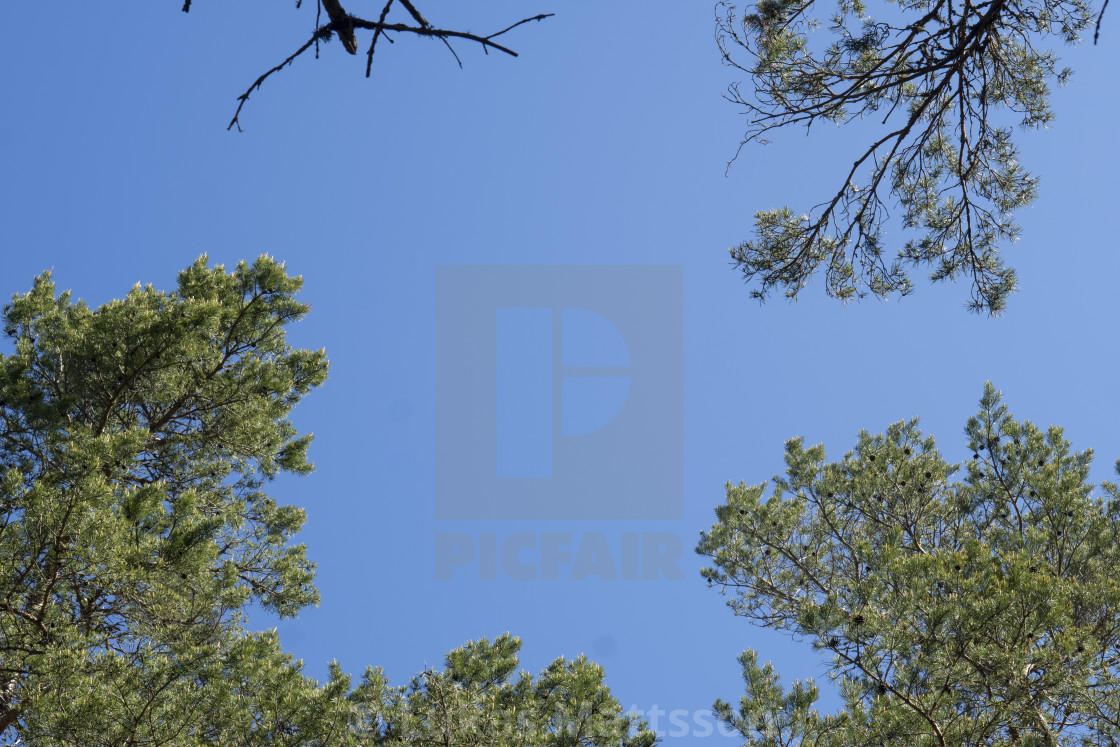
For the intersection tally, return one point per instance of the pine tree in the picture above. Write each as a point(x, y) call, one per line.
point(477, 700)
point(944, 82)
point(970, 611)
point(136, 443)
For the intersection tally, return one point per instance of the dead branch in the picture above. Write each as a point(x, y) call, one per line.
point(341, 23)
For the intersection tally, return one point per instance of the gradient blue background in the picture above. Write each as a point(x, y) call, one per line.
point(604, 143)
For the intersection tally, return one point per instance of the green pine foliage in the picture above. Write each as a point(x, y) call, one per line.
point(972, 606)
point(481, 699)
point(940, 85)
point(136, 443)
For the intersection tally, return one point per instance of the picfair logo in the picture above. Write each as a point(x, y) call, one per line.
point(558, 392)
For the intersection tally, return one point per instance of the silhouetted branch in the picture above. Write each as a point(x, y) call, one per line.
point(342, 23)
point(376, 36)
point(257, 83)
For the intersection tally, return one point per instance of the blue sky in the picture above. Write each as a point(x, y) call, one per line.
point(605, 143)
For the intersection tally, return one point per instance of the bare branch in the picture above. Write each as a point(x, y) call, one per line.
point(376, 35)
point(257, 83)
point(340, 21)
point(1100, 17)
point(485, 41)
point(344, 24)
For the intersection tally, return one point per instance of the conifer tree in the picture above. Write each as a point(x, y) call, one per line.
point(939, 86)
point(478, 700)
point(136, 443)
point(970, 610)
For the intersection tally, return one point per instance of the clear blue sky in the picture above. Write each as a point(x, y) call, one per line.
point(603, 144)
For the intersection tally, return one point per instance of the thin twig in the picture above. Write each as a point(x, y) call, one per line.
point(415, 13)
point(376, 36)
point(539, 17)
point(412, 11)
point(484, 41)
point(257, 83)
point(454, 54)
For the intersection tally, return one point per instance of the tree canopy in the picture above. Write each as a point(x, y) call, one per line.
point(978, 610)
point(946, 80)
point(136, 442)
point(477, 700)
